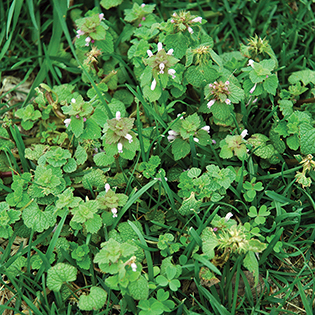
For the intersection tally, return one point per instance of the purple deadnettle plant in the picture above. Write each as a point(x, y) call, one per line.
point(161, 63)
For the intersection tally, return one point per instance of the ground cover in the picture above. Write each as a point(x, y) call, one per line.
point(157, 157)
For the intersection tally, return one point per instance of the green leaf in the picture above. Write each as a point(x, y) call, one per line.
point(59, 274)
point(190, 205)
point(194, 172)
point(76, 126)
point(139, 289)
point(107, 4)
point(308, 142)
point(271, 84)
point(180, 148)
point(94, 301)
point(209, 242)
point(293, 142)
point(80, 155)
point(178, 42)
point(37, 219)
point(94, 224)
point(250, 262)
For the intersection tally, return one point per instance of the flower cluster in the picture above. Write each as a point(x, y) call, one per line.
point(119, 131)
point(113, 210)
point(219, 92)
point(184, 20)
point(91, 28)
point(161, 64)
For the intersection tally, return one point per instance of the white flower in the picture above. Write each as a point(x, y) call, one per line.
point(182, 117)
point(211, 102)
point(190, 30)
point(79, 33)
point(118, 116)
point(227, 101)
point(172, 134)
point(153, 85)
point(253, 89)
point(206, 128)
point(196, 139)
point(244, 133)
point(170, 52)
point(73, 100)
point(172, 73)
point(227, 82)
point(133, 267)
point(160, 46)
point(101, 16)
point(67, 122)
point(228, 216)
point(174, 14)
point(87, 41)
point(250, 62)
point(107, 187)
point(142, 5)
point(149, 52)
point(197, 20)
point(128, 137)
point(119, 147)
point(161, 66)
point(172, 21)
point(114, 212)
point(213, 141)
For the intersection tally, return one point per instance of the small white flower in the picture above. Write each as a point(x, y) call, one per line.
point(149, 52)
point(180, 115)
point(172, 73)
point(142, 5)
point(210, 103)
point(170, 52)
point(118, 116)
point(244, 133)
point(250, 62)
point(114, 212)
point(73, 100)
point(206, 128)
point(172, 21)
point(172, 134)
point(87, 41)
point(213, 141)
point(160, 46)
point(161, 66)
point(196, 139)
point(67, 122)
point(227, 82)
point(153, 85)
point(119, 147)
point(79, 33)
point(128, 137)
point(190, 30)
point(210, 85)
point(197, 20)
point(227, 101)
point(133, 267)
point(107, 187)
point(253, 89)
point(255, 100)
point(228, 216)
point(101, 16)
point(174, 14)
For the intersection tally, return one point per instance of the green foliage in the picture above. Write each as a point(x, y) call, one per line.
point(59, 274)
point(143, 118)
point(94, 301)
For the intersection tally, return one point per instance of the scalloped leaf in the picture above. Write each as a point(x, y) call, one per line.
point(60, 274)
